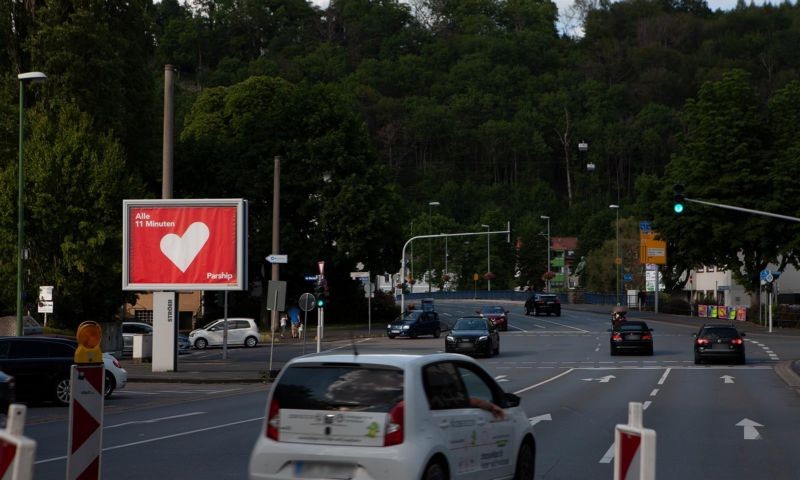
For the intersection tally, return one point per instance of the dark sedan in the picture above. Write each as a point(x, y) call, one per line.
point(631, 335)
point(719, 340)
point(475, 335)
point(540, 303)
point(414, 324)
point(496, 314)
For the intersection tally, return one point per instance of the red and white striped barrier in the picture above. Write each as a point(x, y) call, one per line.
point(634, 448)
point(16, 451)
point(85, 438)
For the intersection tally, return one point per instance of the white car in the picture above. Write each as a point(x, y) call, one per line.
point(241, 331)
point(392, 417)
point(116, 376)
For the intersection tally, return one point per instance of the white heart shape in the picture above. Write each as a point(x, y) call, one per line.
point(182, 250)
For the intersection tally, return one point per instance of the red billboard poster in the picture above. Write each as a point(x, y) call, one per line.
point(184, 244)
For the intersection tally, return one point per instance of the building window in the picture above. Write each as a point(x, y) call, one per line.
point(145, 316)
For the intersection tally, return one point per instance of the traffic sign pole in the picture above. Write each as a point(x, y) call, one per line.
point(634, 448)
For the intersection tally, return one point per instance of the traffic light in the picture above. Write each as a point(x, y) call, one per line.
point(678, 198)
point(320, 302)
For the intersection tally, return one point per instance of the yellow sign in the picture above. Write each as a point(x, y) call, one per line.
point(652, 250)
point(618, 260)
point(89, 336)
point(475, 277)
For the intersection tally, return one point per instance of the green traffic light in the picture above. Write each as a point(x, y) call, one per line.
point(678, 208)
point(320, 302)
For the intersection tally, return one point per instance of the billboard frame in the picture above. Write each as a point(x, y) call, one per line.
point(239, 204)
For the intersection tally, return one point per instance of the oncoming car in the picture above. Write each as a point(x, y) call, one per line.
point(391, 417)
point(241, 331)
point(496, 314)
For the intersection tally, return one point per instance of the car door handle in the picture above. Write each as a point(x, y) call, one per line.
point(444, 424)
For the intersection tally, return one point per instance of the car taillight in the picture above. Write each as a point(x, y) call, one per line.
point(703, 341)
point(394, 426)
point(274, 419)
point(647, 336)
point(736, 341)
point(616, 337)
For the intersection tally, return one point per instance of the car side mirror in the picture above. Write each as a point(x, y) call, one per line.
point(512, 400)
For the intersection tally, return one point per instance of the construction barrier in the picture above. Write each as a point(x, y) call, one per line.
point(16, 451)
point(634, 448)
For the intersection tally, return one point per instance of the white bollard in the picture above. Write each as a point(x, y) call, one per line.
point(17, 452)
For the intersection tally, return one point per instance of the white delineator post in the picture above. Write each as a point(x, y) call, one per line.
point(17, 452)
point(634, 448)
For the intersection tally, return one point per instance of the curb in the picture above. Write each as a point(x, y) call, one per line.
point(787, 371)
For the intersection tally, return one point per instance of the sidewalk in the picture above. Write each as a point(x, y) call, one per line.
point(206, 370)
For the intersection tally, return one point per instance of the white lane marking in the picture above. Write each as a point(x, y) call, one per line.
point(567, 326)
point(158, 439)
point(520, 329)
point(727, 379)
point(605, 379)
point(534, 420)
point(446, 314)
point(134, 392)
point(664, 377)
point(214, 392)
point(501, 378)
point(646, 404)
point(349, 345)
point(654, 392)
point(539, 326)
point(750, 432)
point(531, 387)
point(155, 420)
point(597, 349)
point(609, 454)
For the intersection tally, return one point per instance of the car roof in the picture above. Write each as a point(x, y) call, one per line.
point(404, 361)
point(719, 325)
point(39, 338)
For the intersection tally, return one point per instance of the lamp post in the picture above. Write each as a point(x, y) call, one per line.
point(412, 259)
point(545, 217)
point(445, 261)
point(617, 260)
point(430, 254)
point(488, 257)
point(22, 77)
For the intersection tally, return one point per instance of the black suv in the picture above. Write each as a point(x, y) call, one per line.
point(414, 324)
point(718, 340)
point(543, 303)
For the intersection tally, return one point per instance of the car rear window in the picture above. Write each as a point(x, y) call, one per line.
point(720, 332)
point(547, 298)
point(635, 327)
point(492, 310)
point(341, 387)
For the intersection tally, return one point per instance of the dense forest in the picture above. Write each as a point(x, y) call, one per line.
point(378, 108)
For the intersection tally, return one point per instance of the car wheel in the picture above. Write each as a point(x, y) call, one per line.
point(413, 335)
point(741, 360)
point(250, 342)
point(698, 359)
point(61, 390)
point(527, 312)
point(436, 333)
point(650, 350)
point(200, 343)
point(535, 312)
point(434, 471)
point(558, 313)
point(391, 336)
point(496, 349)
point(613, 351)
point(526, 462)
point(111, 384)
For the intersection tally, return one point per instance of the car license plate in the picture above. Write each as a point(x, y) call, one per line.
point(395, 331)
point(466, 340)
point(323, 470)
point(633, 337)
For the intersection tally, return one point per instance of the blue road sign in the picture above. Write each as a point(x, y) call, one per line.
point(764, 274)
point(628, 277)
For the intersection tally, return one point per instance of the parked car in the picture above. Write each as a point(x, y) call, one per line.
point(631, 335)
point(31, 327)
point(8, 392)
point(719, 340)
point(241, 331)
point(129, 329)
point(41, 367)
point(415, 323)
point(475, 335)
point(540, 303)
point(391, 417)
point(496, 314)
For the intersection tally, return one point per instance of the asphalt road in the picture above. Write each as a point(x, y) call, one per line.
point(712, 421)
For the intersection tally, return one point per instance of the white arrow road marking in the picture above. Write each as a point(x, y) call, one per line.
point(609, 454)
point(750, 432)
point(728, 378)
point(154, 420)
point(605, 379)
point(540, 418)
point(501, 378)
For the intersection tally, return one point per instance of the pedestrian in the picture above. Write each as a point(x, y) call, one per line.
point(283, 324)
point(300, 330)
point(294, 318)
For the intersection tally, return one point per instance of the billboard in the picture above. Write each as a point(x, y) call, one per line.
point(184, 244)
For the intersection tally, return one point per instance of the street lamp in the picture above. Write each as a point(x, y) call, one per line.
point(22, 77)
point(445, 261)
point(488, 258)
point(430, 254)
point(545, 217)
point(617, 260)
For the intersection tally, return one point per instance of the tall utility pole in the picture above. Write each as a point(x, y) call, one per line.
point(617, 260)
point(488, 257)
point(276, 222)
point(430, 254)
point(545, 217)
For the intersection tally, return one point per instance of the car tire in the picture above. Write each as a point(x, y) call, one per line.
point(413, 335)
point(391, 336)
point(698, 359)
point(613, 351)
point(437, 333)
point(535, 312)
point(650, 351)
point(200, 343)
point(527, 312)
point(526, 462)
point(111, 384)
point(250, 342)
point(496, 350)
point(741, 360)
point(434, 471)
point(61, 390)
point(558, 313)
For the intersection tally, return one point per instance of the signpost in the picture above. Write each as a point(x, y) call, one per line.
point(364, 278)
point(634, 448)
point(276, 302)
point(277, 258)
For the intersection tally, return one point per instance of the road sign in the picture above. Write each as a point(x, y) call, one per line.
point(311, 278)
point(764, 273)
point(355, 275)
point(634, 448)
point(618, 260)
point(276, 295)
point(307, 302)
point(769, 278)
point(628, 277)
point(277, 258)
point(85, 437)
